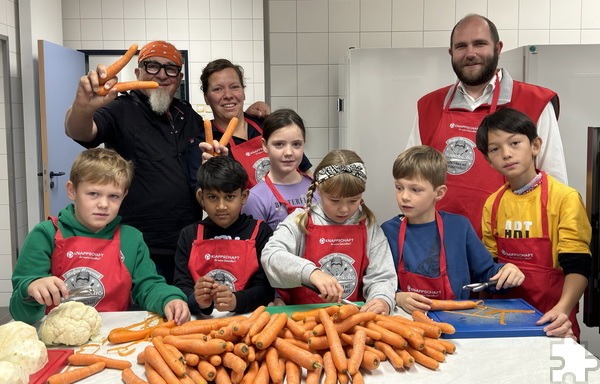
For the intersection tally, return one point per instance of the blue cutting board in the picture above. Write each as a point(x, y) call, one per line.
point(469, 326)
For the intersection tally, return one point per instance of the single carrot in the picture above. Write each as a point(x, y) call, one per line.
point(175, 362)
point(241, 350)
point(76, 374)
point(371, 333)
point(314, 376)
point(214, 360)
point(222, 376)
point(434, 354)
point(358, 350)
point(413, 338)
point(129, 377)
point(420, 316)
point(407, 358)
point(233, 362)
point(329, 369)
point(207, 370)
point(199, 347)
point(294, 327)
point(302, 357)
point(382, 356)
point(191, 359)
point(208, 133)
point(345, 311)
point(194, 375)
point(262, 376)
point(423, 359)
point(370, 359)
point(229, 131)
point(114, 68)
point(429, 328)
point(387, 336)
point(89, 359)
point(268, 334)
point(154, 358)
point(391, 354)
point(452, 305)
point(272, 360)
point(236, 376)
point(450, 347)
point(141, 358)
point(163, 329)
point(342, 378)
point(299, 343)
point(347, 323)
point(251, 373)
point(304, 315)
point(122, 335)
point(358, 378)
point(335, 345)
point(262, 320)
point(251, 354)
point(153, 376)
point(293, 372)
point(317, 343)
point(125, 86)
point(433, 343)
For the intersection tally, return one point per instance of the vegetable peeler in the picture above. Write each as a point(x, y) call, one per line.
point(478, 287)
point(75, 294)
point(314, 289)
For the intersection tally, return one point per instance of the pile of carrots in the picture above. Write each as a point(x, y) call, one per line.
point(337, 342)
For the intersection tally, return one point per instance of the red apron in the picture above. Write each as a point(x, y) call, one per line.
point(251, 155)
point(97, 263)
point(339, 250)
point(432, 287)
point(470, 178)
point(543, 283)
point(229, 262)
point(289, 207)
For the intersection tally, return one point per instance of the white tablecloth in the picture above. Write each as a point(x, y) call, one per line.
point(521, 360)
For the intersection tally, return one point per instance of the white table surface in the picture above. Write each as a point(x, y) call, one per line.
point(520, 360)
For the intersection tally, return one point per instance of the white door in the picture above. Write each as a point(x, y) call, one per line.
point(59, 71)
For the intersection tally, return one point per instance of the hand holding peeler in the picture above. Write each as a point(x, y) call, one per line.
point(314, 289)
point(478, 287)
point(75, 294)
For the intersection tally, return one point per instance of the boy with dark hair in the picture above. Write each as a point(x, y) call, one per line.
point(535, 222)
point(217, 262)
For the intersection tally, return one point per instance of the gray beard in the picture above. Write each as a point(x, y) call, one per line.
point(160, 100)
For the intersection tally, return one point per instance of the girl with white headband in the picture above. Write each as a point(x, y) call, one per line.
point(334, 245)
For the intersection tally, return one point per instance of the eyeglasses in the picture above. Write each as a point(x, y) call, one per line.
point(152, 68)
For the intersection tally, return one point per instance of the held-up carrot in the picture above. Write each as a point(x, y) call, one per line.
point(122, 335)
point(208, 133)
point(76, 374)
point(129, 377)
point(335, 344)
point(229, 131)
point(125, 86)
point(114, 68)
point(452, 305)
point(89, 359)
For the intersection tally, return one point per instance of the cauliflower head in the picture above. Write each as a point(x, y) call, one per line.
point(71, 323)
point(19, 345)
point(11, 373)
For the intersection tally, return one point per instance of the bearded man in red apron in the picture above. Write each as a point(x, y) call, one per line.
point(448, 117)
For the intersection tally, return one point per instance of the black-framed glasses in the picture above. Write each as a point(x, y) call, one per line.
point(152, 68)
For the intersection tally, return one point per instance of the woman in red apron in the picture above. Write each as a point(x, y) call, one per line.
point(334, 245)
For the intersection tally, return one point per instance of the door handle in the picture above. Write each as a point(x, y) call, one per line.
point(52, 174)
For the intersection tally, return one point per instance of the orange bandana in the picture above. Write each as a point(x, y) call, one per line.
point(161, 49)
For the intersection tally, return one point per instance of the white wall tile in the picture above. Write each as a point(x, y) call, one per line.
point(375, 39)
point(198, 9)
point(283, 48)
point(590, 37)
point(313, 80)
point(334, 122)
point(135, 30)
point(565, 14)
point(241, 9)
point(112, 29)
point(5, 298)
point(317, 142)
point(242, 51)
point(178, 29)
point(339, 43)
point(220, 29)
point(334, 81)
point(259, 72)
point(439, 15)
point(90, 9)
point(156, 9)
point(344, 15)
point(465, 7)
point(407, 15)
point(199, 51)
point(284, 80)
point(530, 37)
point(312, 48)
point(134, 9)
point(565, 36)
point(312, 16)
point(70, 9)
point(284, 102)
point(199, 29)
point(112, 44)
point(408, 39)
point(258, 32)
point(112, 9)
point(436, 39)
point(71, 29)
point(5, 212)
point(91, 29)
point(220, 9)
point(510, 39)
point(259, 51)
point(257, 9)
point(590, 14)
point(282, 16)
point(177, 9)
point(504, 13)
point(375, 15)
point(156, 29)
point(3, 176)
point(534, 14)
point(241, 29)
point(314, 111)
point(221, 49)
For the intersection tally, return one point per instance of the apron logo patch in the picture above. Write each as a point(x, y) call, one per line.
point(86, 277)
point(340, 266)
point(223, 277)
point(262, 167)
point(460, 155)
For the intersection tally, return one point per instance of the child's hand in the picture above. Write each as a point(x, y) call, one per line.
point(177, 310)
point(203, 291)
point(224, 299)
point(277, 301)
point(48, 290)
point(330, 288)
point(410, 301)
point(378, 306)
point(508, 276)
point(560, 325)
